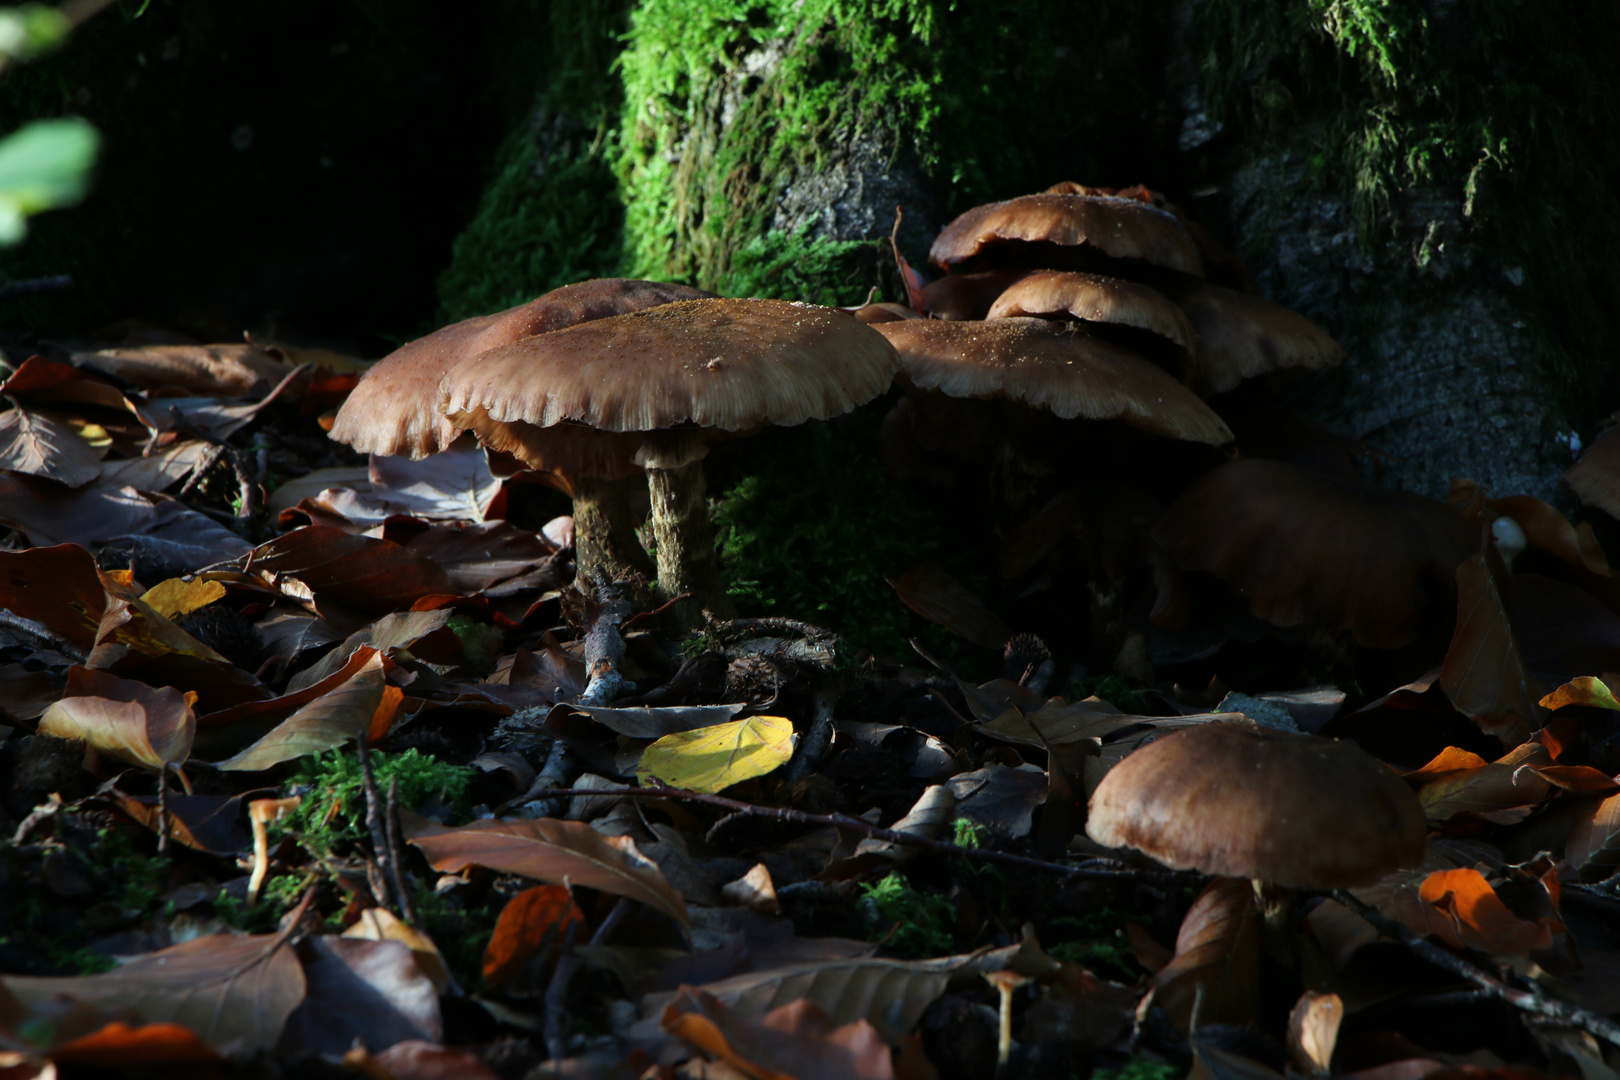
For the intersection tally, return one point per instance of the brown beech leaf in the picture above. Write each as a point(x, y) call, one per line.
point(1313, 1031)
point(1217, 947)
point(795, 1042)
point(355, 571)
point(330, 720)
point(227, 370)
point(1585, 690)
point(1483, 674)
point(1503, 791)
point(234, 992)
point(146, 727)
point(533, 922)
point(646, 723)
point(1593, 847)
point(938, 597)
point(379, 924)
point(39, 446)
point(552, 851)
point(57, 587)
point(370, 991)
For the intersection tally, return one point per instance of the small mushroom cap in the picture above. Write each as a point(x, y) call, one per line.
point(1052, 366)
point(883, 311)
point(1241, 335)
point(1093, 298)
point(1595, 478)
point(395, 409)
point(1294, 810)
point(725, 364)
point(1324, 550)
point(966, 296)
point(1118, 228)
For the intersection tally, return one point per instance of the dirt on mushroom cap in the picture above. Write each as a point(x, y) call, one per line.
point(395, 409)
point(1055, 367)
point(1233, 801)
point(726, 364)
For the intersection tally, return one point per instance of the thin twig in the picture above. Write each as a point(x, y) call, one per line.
point(374, 822)
point(396, 855)
point(1528, 1000)
point(877, 832)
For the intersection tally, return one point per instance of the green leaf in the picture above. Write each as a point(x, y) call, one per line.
point(713, 758)
point(44, 165)
point(31, 30)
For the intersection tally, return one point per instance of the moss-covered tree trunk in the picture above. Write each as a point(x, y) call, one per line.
point(1430, 181)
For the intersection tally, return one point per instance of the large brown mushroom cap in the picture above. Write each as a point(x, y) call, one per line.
point(1241, 336)
point(1292, 810)
point(395, 409)
point(726, 364)
point(1118, 228)
point(1056, 367)
point(1094, 298)
point(1312, 549)
point(1595, 478)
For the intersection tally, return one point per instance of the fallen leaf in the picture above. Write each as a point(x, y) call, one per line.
point(1479, 917)
point(712, 759)
point(795, 1042)
point(1483, 674)
point(370, 991)
point(176, 596)
point(236, 993)
point(534, 922)
point(552, 851)
point(37, 445)
point(355, 571)
point(1593, 847)
point(326, 722)
point(1585, 690)
point(415, 1059)
point(648, 723)
point(1313, 1031)
point(228, 370)
point(380, 924)
point(123, 1046)
point(1503, 791)
point(57, 587)
point(135, 723)
point(1218, 948)
point(938, 597)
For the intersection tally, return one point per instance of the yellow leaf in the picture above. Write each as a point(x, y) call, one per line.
point(1582, 691)
point(174, 598)
point(713, 758)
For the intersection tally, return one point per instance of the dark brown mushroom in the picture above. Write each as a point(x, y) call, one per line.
point(1037, 230)
point(956, 297)
point(1328, 552)
point(1232, 800)
point(665, 376)
point(1241, 335)
point(1130, 315)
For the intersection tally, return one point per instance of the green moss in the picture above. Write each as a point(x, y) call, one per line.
point(796, 267)
point(334, 808)
point(913, 923)
point(812, 531)
point(1506, 105)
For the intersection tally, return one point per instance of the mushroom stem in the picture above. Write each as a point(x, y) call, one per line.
point(605, 529)
point(1278, 904)
point(687, 562)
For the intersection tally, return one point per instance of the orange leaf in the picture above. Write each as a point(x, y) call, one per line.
point(534, 920)
point(1585, 690)
point(387, 712)
point(119, 1046)
point(794, 1042)
point(1482, 921)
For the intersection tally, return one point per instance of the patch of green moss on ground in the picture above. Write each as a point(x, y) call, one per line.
point(815, 526)
point(1506, 105)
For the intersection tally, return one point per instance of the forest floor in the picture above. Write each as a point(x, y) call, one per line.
point(313, 767)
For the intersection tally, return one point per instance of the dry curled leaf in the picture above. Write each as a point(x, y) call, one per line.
point(329, 721)
point(552, 851)
point(534, 923)
point(135, 723)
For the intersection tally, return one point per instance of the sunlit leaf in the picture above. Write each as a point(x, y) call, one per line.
point(1585, 690)
point(534, 921)
point(176, 596)
point(552, 851)
point(713, 758)
point(794, 1042)
point(43, 165)
point(37, 445)
point(329, 721)
point(144, 726)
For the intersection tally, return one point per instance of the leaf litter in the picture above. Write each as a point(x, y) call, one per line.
point(464, 858)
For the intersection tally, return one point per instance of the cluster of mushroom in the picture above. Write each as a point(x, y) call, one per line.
point(598, 382)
